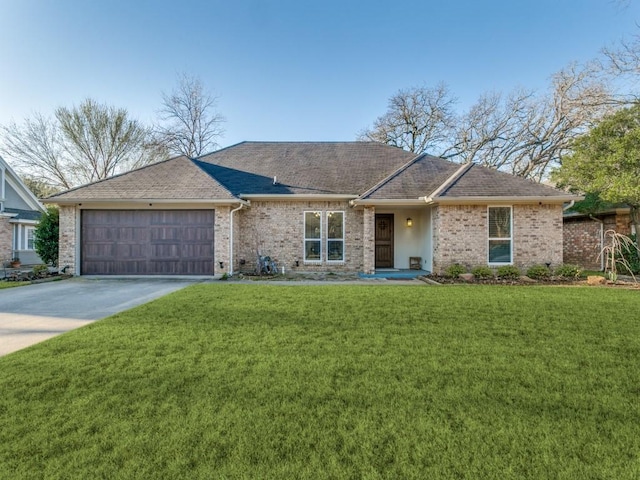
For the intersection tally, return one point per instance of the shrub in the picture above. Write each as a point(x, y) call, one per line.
point(567, 271)
point(482, 272)
point(631, 254)
point(46, 242)
point(40, 270)
point(454, 271)
point(508, 272)
point(539, 272)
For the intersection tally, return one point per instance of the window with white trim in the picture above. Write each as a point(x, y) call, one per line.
point(31, 238)
point(312, 236)
point(335, 236)
point(500, 235)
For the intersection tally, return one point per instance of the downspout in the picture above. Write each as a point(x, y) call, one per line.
point(231, 237)
point(601, 222)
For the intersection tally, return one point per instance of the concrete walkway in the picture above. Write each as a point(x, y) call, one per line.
point(34, 313)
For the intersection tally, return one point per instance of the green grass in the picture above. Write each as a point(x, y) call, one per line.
point(4, 284)
point(277, 382)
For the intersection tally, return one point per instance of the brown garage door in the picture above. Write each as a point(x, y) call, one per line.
point(147, 242)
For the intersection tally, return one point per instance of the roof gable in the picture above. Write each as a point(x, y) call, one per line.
point(178, 178)
point(11, 178)
point(418, 178)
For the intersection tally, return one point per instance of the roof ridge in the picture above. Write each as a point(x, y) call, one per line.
point(454, 177)
point(197, 163)
point(392, 175)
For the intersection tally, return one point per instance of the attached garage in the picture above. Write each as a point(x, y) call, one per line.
point(147, 242)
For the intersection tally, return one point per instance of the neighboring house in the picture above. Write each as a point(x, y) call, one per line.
point(313, 206)
point(584, 235)
point(20, 211)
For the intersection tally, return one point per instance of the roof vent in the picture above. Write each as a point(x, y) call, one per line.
point(275, 180)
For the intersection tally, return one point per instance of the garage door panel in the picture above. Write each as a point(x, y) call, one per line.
point(147, 242)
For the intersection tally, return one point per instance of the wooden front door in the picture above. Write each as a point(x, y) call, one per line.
point(384, 240)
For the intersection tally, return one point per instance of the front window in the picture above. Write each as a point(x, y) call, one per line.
point(31, 237)
point(335, 236)
point(500, 235)
point(312, 236)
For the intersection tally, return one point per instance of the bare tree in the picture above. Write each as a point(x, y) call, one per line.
point(418, 119)
point(190, 124)
point(36, 147)
point(522, 132)
point(81, 144)
point(527, 134)
point(39, 188)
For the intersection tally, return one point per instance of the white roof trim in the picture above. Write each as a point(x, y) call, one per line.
point(77, 201)
point(294, 197)
point(555, 199)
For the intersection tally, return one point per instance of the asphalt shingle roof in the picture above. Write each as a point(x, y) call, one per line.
point(175, 179)
point(481, 181)
point(418, 179)
point(348, 168)
point(24, 214)
point(370, 169)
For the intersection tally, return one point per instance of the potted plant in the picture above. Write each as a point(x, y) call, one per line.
point(15, 262)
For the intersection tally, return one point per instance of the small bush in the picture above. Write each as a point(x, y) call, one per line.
point(539, 272)
point(40, 270)
point(508, 272)
point(567, 271)
point(482, 272)
point(455, 270)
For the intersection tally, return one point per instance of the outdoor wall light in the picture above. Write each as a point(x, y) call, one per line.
point(221, 264)
point(409, 222)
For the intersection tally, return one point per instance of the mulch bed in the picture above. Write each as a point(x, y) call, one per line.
point(444, 280)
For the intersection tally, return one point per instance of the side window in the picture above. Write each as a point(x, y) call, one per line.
point(335, 236)
point(500, 235)
point(312, 236)
point(31, 237)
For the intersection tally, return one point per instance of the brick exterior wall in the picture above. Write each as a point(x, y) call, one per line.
point(537, 233)
point(460, 235)
point(277, 229)
point(6, 239)
point(369, 240)
point(582, 237)
point(221, 239)
point(67, 244)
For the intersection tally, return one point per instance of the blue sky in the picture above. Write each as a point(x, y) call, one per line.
point(290, 70)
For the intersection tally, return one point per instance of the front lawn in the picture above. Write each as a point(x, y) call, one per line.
point(7, 284)
point(277, 382)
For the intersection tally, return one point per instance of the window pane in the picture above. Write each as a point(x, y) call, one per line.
point(499, 222)
point(334, 225)
point(499, 251)
point(312, 250)
point(30, 238)
point(312, 225)
point(335, 250)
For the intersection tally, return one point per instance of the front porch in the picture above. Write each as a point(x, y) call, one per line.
point(398, 241)
point(395, 273)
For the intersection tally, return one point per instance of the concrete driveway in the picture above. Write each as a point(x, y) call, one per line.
point(34, 313)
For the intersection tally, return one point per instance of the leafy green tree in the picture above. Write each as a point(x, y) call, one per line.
point(606, 161)
point(46, 241)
